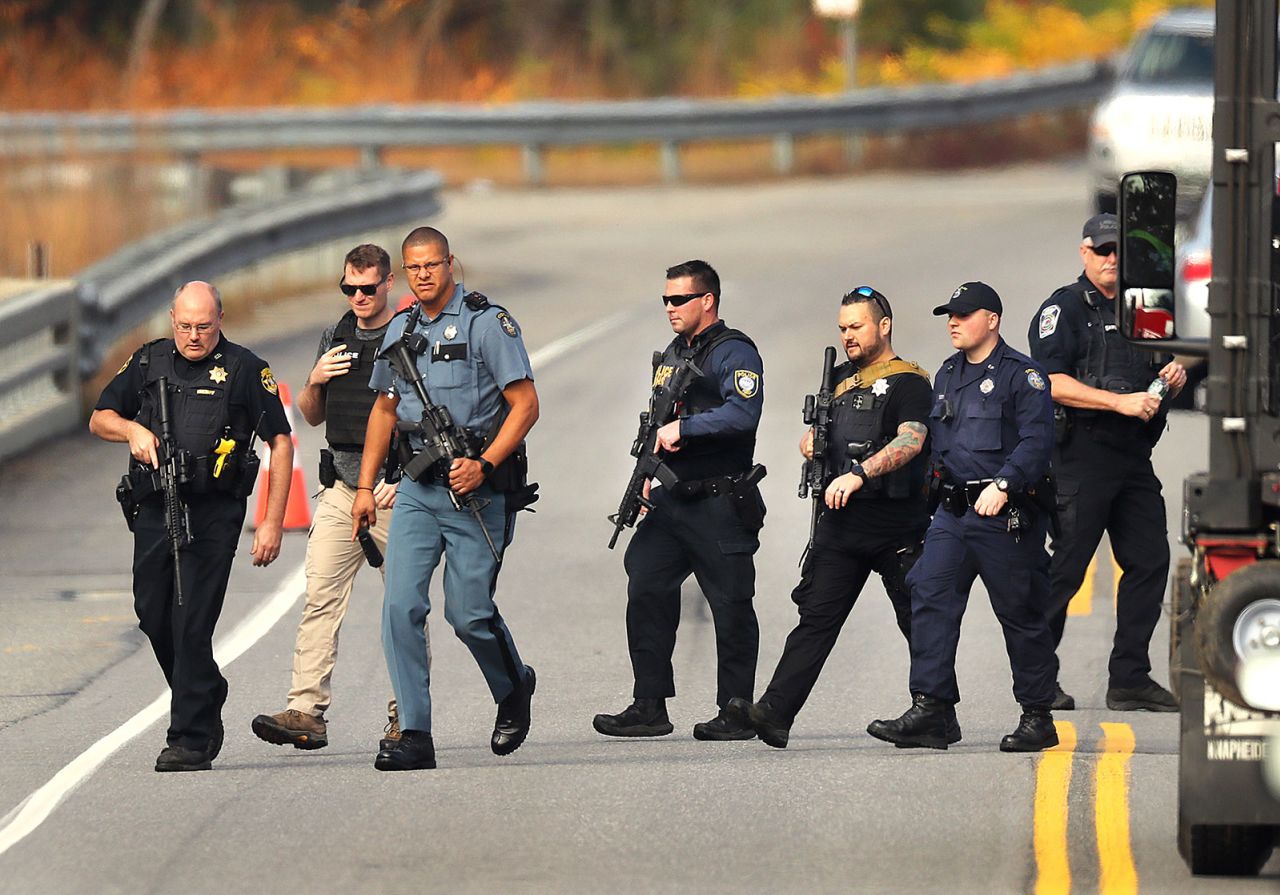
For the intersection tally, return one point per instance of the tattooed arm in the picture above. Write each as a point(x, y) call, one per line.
point(894, 455)
point(899, 452)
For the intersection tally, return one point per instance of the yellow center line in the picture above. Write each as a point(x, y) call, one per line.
point(1053, 784)
point(1082, 602)
point(1111, 811)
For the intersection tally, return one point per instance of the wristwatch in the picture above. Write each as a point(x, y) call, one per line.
point(485, 467)
point(1002, 484)
point(861, 473)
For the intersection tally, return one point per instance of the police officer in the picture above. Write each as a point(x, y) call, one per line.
point(473, 363)
point(219, 395)
point(1107, 423)
point(337, 394)
point(707, 525)
point(876, 506)
point(992, 430)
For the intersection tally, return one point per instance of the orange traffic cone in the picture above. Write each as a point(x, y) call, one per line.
point(297, 512)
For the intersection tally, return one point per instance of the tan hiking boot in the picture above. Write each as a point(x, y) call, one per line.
point(292, 728)
point(391, 733)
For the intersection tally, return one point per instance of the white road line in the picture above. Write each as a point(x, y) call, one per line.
point(36, 808)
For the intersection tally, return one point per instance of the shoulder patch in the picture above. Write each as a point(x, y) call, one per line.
point(1049, 320)
point(269, 381)
point(1034, 379)
point(746, 383)
point(508, 324)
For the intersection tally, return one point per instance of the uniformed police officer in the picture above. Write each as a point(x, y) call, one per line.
point(337, 394)
point(473, 364)
point(876, 506)
point(707, 525)
point(220, 395)
point(992, 430)
point(1107, 423)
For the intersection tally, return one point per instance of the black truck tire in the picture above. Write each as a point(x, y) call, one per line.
point(1216, 619)
point(1224, 850)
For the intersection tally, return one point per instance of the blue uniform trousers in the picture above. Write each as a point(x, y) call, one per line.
point(425, 528)
point(1016, 575)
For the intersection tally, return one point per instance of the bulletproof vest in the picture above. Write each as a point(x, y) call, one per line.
point(857, 427)
point(348, 399)
point(1110, 363)
point(713, 455)
point(199, 404)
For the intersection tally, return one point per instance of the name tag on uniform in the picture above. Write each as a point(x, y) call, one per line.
point(206, 391)
point(448, 351)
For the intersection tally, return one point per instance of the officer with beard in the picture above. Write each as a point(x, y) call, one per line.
point(876, 508)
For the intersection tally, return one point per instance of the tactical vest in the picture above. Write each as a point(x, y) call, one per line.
point(714, 455)
point(348, 399)
point(857, 427)
point(1110, 363)
point(200, 414)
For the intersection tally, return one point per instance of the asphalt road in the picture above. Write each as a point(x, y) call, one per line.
point(572, 811)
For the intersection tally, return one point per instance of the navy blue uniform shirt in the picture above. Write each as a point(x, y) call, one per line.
point(993, 419)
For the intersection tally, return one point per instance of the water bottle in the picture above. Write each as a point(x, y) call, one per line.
point(1158, 387)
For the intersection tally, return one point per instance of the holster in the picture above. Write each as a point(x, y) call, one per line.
point(124, 494)
point(328, 471)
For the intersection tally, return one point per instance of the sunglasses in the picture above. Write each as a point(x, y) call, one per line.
point(678, 300)
point(1103, 251)
point(368, 288)
point(881, 302)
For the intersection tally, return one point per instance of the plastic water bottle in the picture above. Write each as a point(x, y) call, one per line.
point(1158, 387)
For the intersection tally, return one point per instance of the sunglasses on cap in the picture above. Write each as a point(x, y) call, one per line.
point(1103, 251)
point(368, 288)
point(678, 300)
point(881, 302)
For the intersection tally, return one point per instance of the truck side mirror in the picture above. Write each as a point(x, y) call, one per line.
point(1147, 202)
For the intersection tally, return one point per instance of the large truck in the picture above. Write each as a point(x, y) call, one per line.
point(1225, 626)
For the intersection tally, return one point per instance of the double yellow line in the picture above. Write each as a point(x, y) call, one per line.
point(1117, 873)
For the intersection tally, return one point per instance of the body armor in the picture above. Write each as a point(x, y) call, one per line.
point(857, 427)
point(348, 399)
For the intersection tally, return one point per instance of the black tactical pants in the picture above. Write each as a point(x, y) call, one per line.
point(831, 580)
point(1102, 488)
point(703, 537)
point(182, 636)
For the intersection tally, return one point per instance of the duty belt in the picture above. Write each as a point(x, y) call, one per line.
point(957, 497)
point(699, 489)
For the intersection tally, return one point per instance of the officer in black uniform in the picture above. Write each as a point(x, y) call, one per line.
point(1109, 415)
point(876, 506)
point(707, 525)
point(992, 431)
point(220, 396)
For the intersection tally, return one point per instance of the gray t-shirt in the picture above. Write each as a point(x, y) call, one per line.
point(348, 462)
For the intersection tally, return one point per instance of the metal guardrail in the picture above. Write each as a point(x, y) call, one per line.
point(54, 335)
point(535, 125)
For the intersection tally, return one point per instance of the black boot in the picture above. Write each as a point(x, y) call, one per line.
point(414, 752)
point(643, 718)
point(953, 730)
point(180, 758)
point(761, 718)
point(924, 724)
point(1062, 700)
point(1035, 731)
point(512, 724)
point(724, 726)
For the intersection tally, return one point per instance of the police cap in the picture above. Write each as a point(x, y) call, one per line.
point(1103, 229)
point(970, 297)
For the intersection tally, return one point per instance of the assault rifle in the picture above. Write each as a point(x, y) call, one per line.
point(815, 472)
point(174, 471)
point(443, 441)
point(663, 404)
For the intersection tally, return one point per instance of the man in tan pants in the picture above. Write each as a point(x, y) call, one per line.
point(337, 394)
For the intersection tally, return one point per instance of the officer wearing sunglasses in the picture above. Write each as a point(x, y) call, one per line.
point(336, 394)
point(707, 524)
point(1108, 416)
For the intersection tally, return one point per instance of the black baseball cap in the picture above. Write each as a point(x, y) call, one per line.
point(971, 297)
point(1103, 229)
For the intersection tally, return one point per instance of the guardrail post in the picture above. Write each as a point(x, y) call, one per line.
point(37, 260)
point(370, 158)
point(198, 181)
point(669, 154)
point(534, 172)
point(784, 154)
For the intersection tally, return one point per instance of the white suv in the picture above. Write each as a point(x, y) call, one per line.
point(1159, 113)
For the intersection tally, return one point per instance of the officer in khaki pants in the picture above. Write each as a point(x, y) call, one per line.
point(337, 394)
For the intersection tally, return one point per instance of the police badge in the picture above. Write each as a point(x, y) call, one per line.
point(988, 386)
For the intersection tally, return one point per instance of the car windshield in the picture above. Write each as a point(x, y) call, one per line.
point(1162, 58)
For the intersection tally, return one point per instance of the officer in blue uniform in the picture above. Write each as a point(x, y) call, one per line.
point(1108, 419)
point(706, 525)
point(992, 431)
point(473, 363)
point(220, 396)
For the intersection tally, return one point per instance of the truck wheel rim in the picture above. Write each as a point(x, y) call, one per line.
point(1256, 632)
